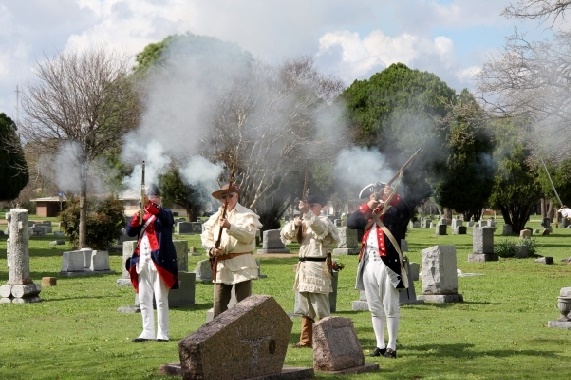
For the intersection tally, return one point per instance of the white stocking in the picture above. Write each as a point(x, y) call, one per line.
point(393, 328)
point(379, 329)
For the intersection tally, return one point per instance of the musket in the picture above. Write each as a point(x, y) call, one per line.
point(142, 195)
point(304, 196)
point(552, 185)
point(219, 239)
point(394, 177)
point(397, 174)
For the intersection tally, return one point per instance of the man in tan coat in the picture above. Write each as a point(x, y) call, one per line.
point(313, 277)
point(234, 262)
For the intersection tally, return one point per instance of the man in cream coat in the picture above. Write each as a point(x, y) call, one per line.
point(233, 259)
point(316, 236)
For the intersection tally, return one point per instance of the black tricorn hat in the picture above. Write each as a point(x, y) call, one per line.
point(153, 190)
point(370, 189)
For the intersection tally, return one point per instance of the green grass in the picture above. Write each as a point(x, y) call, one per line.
point(499, 332)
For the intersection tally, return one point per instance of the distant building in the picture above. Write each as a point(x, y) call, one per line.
point(48, 206)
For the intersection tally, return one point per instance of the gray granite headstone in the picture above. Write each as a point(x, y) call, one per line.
point(483, 245)
point(184, 228)
point(348, 242)
point(440, 275)
point(73, 261)
point(271, 243)
point(99, 261)
point(203, 271)
point(250, 340)
point(336, 346)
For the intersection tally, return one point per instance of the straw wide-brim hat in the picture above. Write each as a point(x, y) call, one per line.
point(224, 190)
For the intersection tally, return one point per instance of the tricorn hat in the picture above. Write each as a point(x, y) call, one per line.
point(153, 190)
point(317, 199)
point(370, 189)
point(224, 189)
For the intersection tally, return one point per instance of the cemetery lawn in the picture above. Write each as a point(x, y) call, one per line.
point(499, 331)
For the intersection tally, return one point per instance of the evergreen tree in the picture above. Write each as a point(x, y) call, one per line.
point(13, 165)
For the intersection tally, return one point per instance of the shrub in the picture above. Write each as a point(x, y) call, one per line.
point(505, 248)
point(531, 246)
point(104, 222)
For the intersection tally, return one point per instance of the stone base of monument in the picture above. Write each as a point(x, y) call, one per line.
point(355, 370)
point(345, 251)
point(288, 373)
point(16, 300)
point(129, 309)
point(359, 306)
point(85, 272)
point(481, 257)
point(558, 324)
point(124, 281)
point(442, 298)
point(273, 250)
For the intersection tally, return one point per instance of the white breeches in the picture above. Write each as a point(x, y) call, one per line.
point(382, 296)
point(151, 286)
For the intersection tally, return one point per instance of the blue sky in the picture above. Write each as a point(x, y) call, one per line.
point(351, 39)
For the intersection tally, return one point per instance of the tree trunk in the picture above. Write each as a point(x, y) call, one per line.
point(83, 207)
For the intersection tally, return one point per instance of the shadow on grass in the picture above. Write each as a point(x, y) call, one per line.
point(463, 350)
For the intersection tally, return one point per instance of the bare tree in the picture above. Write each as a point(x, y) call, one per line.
point(269, 127)
point(537, 9)
point(81, 98)
point(533, 79)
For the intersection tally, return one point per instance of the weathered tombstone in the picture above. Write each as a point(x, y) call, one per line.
point(414, 271)
point(440, 275)
point(471, 223)
point(260, 275)
point(483, 223)
point(547, 260)
point(203, 271)
point(525, 233)
point(197, 227)
point(128, 249)
point(336, 348)
point(521, 251)
point(271, 243)
point(426, 223)
point(20, 287)
point(440, 229)
point(99, 261)
point(483, 245)
point(250, 340)
point(86, 256)
point(507, 230)
point(184, 228)
point(181, 248)
point(348, 242)
point(456, 223)
point(460, 230)
point(73, 261)
point(361, 304)
point(185, 295)
point(408, 296)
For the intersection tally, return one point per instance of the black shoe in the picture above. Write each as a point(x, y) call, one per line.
point(137, 340)
point(377, 352)
point(162, 340)
point(390, 353)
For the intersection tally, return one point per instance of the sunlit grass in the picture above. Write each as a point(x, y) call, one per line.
point(499, 332)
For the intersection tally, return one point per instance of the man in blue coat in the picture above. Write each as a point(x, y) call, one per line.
point(153, 268)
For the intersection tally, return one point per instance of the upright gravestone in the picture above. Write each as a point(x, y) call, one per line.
point(203, 272)
point(336, 348)
point(348, 242)
point(271, 243)
point(483, 245)
point(20, 288)
point(248, 341)
point(440, 275)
